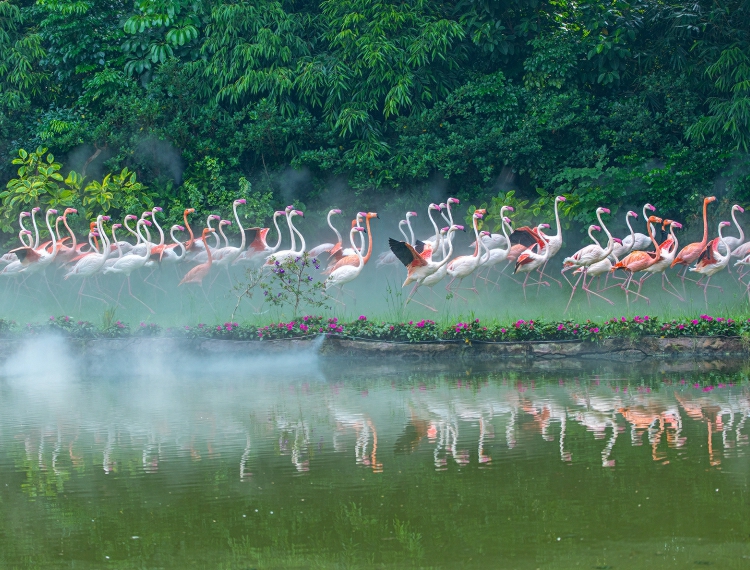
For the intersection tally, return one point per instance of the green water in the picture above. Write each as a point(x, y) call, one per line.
point(298, 463)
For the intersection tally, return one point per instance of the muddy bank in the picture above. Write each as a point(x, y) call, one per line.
point(618, 349)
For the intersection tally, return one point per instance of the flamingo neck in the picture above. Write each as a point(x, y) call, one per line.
point(117, 243)
point(476, 235)
point(722, 258)
point(705, 222)
point(130, 230)
point(158, 227)
point(243, 238)
point(278, 233)
point(191, 241)
point(223, 235)
point(301, 237)
point(147, 240)
point(360, 259)
point(52, 235)
point(178, 244)
point(438, 237)
point(401, 225)
point(369, 240)
point(650, 229)
point(330, 225)
point(411, 230)
point(558, 234)
point(591, 235)
point(611, 242)
point(739, 228)
point(209, 259)
point(505, 233)
point(72, 235)
point(217, 243)
point(105, 241)
point(36, 230)
point(22, 235)
point(57, 228)
point(446, 256)
point(293, 247)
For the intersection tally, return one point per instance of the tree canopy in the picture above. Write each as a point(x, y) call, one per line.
point(611, 102)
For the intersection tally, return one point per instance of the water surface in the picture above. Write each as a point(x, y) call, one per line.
point(292, 462)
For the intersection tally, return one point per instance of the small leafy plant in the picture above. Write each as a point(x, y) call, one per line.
point(292, 285)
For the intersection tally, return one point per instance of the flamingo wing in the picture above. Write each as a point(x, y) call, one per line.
point(708, 255)
point(525, 236)
point(26, 255)
point(406, 253)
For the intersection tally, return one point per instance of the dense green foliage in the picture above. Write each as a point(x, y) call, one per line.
point(615, 102)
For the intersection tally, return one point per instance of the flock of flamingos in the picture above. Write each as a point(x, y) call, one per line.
point(428, 262)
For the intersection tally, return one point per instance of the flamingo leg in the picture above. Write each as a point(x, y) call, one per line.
point(573, 292)
point(586, 287)
point(674, 289)
point(542, 274)
point(130, 291)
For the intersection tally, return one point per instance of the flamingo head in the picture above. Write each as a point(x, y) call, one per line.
point(457, 227)
point(179, 228)
point(357, 229)
point(145, 215)
point(710, 199)
point(677, 225)
point(59, 219)
point(560, 199)
point(544, 226)
point(507, 220)
point(26, 232)
point(617, 240)
point(95, 234)
point(70, 211)
point(434, 207)
point(665, 223)
point(371, 215)
point(596, 228)
point(443, 205)
point(602, 210)
point(411, 215)
point(288, 209)
point(335, 211)
point(25, 214)
point(131, 217)
point(453, 201)
point(444, 230)
point(189, 211)
point(106, 218)
point(300, 213)
point(484, 233)
point(225, 223)
point(510, 208)
point(116, 226)
point(35, 209)
point(147, 222)
point(654, 220)
point(157, 209)
point(278, 213)
point(214, 217)
point(739, 208)
point(207, 231)
point(724, 224)
point(649, 207)
point(52, 212)
point(632, 214)
point(240, 201)
point(478, 215)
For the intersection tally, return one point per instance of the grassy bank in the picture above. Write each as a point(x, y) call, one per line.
point(412, 331)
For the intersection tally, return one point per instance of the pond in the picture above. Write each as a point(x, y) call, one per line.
point(298, 462)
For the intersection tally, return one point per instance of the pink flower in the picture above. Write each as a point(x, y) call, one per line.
point(694, 322)
point(623, 319)
point(362, 318)
point(560, 327)
point(303, 328)
point(503, 331)
point(680, 327)
point(595, 330)
point(218, 327)
point(339, 329)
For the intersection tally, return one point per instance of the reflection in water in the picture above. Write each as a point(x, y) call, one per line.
point(379, 440)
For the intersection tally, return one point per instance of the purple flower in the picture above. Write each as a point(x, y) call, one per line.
point(362, 318)
point(623, 319)
point(503, 331)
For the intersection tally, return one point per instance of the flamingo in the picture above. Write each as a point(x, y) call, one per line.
point(329, 248)
point(292, 254)
point(354, 259)
point(639, 241)
point(388, 257)
point(433, 243)
point(639, 260)
point(496, 253)
point(197, 253)
point(258, 246)
point(66, 253)
point(111, 261)
point(530, 260)
point(126, 264)
point(668, 250)
point(197, 273)
point(710, 261)
point(418, 268)
point(36, 259)
point(461, 267)
point(227, 255)
point(691, 252)
point(588, 256)
point(91, 263)
point(431, 280)
point(626, 244)
point(347, 273)
point(554, 243)
point(734, 242)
